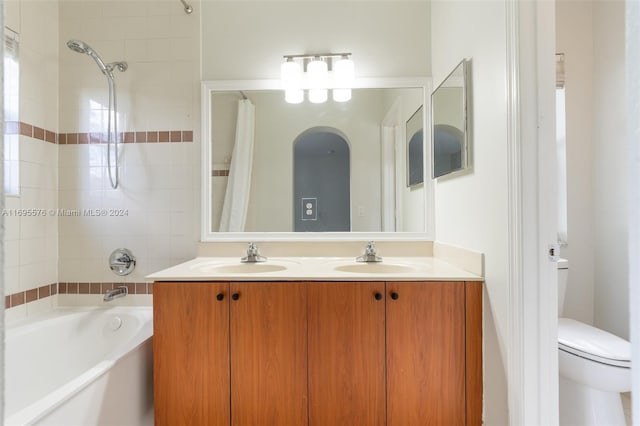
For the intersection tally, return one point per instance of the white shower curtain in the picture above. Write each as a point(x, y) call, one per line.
point(236, 198)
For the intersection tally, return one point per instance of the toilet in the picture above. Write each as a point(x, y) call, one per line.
point(594, 366)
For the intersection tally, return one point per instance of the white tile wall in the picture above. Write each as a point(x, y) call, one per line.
point(31, 257)
point(64, 92)
point(158, 181)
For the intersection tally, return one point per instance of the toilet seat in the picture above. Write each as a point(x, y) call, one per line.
point(592, 343)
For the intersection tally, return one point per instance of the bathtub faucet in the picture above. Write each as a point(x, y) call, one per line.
point(115, 293)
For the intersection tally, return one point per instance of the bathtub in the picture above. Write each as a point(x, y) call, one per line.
point(80, 366)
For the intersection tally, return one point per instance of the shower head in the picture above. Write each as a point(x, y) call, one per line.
point(78, 46)
point(82, 47)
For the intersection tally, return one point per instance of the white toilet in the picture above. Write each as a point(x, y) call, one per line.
point(595, 367)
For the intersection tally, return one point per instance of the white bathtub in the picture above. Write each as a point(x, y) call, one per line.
point(80, 366)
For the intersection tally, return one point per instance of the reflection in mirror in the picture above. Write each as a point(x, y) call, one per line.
point(310, 167)
point(449, 121)
point(415, 149)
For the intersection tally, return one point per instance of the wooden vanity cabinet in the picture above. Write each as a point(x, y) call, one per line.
point(425, 329)
point(318, 353)
point(191, 354)
point(230, 354)
point(346, 353)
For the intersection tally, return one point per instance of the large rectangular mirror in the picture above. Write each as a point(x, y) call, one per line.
point(449, 123)
point(337, 168)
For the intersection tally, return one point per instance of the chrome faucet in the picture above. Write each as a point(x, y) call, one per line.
point(115, 293)
point(252, 255)
point(370, 254)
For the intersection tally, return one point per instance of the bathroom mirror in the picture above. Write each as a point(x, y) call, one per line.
point(335, 169)
point(449, 123)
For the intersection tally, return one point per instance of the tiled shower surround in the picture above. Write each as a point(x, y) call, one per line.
point(63, 161)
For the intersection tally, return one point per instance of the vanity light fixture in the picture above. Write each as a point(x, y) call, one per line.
point(317, 73)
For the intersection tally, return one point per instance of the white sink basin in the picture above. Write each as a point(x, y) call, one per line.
point(239, 268)
point(375, 268)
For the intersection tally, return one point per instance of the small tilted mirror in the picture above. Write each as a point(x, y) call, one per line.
point(449, 123)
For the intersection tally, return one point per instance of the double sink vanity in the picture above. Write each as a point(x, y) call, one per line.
point(302, 338)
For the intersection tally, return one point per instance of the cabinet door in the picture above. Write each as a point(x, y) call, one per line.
point(268, 354)
point(191, 354)
point(346, 354)
point(425, 353)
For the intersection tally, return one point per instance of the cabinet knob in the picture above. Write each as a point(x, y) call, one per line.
point(394, 295)
point(235, 296)
point(220, 296)
point(378, 296)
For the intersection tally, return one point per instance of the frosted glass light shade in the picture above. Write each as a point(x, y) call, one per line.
point(341, 95)
point(291, 74)
point(317, 74)
point(294, 96)
point(318, 96)
point(344, 73)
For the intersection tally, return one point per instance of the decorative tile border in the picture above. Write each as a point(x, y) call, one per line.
point(25, 129)
point(101, 288)
point(22, 297)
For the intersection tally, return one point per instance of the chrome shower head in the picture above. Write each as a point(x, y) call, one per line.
point(82, 47)
point(78, 46)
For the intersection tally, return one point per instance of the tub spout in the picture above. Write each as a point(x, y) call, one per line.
point(121, 291)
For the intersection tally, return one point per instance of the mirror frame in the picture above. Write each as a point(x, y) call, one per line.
point(465, 166)
point(206, 235)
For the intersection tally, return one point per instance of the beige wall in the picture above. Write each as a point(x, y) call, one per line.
point(610, 179)
point(246, 40)
point(471, 210)
point(591, 35)
point(574, 32)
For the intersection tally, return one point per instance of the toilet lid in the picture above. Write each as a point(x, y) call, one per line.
point(592, 343)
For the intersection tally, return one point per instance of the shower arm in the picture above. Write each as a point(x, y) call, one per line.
point(187, 7)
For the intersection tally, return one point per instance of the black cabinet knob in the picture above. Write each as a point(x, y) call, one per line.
point(235, 296)
point(378, 296)
point(220, 296)
point(394, 295)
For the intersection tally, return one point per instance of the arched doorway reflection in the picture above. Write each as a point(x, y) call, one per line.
point(321, 181)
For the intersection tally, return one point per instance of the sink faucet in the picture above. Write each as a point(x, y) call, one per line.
point(370, 254)
point(115, 293)
point(253, 255)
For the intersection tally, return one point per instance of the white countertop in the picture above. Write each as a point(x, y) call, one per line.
point(315, 269)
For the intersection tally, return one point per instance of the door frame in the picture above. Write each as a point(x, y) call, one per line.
point(532, 364)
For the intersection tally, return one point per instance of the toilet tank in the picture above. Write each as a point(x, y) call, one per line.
point(563, 276)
